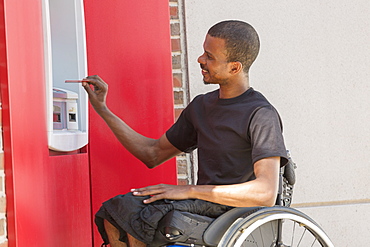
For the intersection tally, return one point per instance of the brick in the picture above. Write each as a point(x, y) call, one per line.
point(2, 227)
point(179, 182)
point(176, 62)
point(182, 167)
point(175, 29)
point(5, 244)
point(179, 97)
point(2, 205)
point(1, 158)
point(175, 45)
point(177, 80)
point(174, 12)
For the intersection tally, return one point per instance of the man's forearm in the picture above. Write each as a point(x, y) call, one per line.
point(140, 146)
point(152, 152)
point(261, 191)
point(249, 194)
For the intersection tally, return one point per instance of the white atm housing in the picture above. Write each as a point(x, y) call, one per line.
point(65, 58)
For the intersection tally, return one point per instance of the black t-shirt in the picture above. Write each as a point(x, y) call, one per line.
point(230, 134)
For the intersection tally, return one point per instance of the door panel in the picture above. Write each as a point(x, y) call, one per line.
point(128, 45)
point(48, 196)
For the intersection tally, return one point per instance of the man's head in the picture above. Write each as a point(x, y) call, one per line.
point(241, 41)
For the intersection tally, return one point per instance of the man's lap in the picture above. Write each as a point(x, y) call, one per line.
point(130, 215)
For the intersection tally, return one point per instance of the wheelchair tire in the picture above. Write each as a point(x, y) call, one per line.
point(275, 227)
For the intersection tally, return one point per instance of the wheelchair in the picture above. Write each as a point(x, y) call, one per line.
point(278, 226)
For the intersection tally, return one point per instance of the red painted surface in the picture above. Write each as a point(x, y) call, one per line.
point(128, 45)
point(51, 198)
point(48, 197)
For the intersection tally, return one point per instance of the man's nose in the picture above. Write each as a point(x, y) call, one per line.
point(201, 59)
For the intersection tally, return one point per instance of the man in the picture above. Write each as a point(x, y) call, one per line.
point(238, 134)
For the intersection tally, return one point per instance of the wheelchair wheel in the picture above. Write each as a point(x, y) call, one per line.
point(275, 227)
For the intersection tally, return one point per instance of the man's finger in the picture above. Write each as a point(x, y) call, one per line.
point(153, 199)
point(87, 87)
point(144, 192)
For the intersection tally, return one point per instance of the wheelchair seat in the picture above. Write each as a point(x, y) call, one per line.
point(192, 229)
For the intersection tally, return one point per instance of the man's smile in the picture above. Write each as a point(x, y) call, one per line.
point(204, 71)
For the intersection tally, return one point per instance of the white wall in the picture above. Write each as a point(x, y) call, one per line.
point(314, 66)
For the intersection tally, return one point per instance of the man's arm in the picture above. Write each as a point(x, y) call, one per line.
point(259, 192)
point(151, 152)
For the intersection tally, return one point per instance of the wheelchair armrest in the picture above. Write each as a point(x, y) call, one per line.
point(218, 227)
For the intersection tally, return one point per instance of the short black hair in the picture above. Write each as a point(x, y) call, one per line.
point(241, 41)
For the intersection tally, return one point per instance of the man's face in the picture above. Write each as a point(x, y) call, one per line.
point(215, 68)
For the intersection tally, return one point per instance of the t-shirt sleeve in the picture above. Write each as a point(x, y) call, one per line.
point(183, 134)
point(266, 135)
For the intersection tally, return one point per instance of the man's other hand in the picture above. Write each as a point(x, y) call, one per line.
point(164, 191)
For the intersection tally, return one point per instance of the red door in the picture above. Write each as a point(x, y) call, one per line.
point(128, 45)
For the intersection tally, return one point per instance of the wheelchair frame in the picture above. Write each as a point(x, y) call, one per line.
point(266, 226)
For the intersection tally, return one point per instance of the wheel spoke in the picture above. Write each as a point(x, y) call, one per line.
point(260, 229)
point(314, 241)
point(291, 243)
point(254, 241)
point(304, 232)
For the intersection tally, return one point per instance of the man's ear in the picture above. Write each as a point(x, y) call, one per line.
point(236, 67)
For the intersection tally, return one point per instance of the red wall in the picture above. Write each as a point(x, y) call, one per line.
point(51, 199)
point(128, 45)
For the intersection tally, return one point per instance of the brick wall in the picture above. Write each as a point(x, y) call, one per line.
point(180, 81)
point(3, 233)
